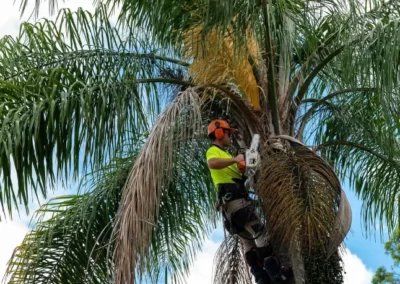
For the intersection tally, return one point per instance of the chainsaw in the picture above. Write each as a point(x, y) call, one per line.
point(249, 166)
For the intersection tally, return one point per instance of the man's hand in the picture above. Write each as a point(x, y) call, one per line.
point(239, 158)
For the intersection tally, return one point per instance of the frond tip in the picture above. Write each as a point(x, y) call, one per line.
point(229, 263)
point(147, 180)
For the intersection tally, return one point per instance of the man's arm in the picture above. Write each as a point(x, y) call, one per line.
point(220, 163)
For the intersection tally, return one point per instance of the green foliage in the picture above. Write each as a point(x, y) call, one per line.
point(362, 142)
point(392, 247)
point(69, 89)
point(71, 244)
point(71, 239)
point(383, 277)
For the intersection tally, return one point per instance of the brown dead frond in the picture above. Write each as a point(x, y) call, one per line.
point(301, 195)
point(342, 224)
point(150, 173)
point(229, 263)
point(217, 61)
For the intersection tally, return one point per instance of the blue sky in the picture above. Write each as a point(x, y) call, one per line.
point(368, 250)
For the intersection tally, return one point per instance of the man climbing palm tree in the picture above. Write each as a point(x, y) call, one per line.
point(237, 208)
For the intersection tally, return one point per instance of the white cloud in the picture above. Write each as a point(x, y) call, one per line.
point(10, 18)
point(11, 235)
point(201, 271)
point(356, 271)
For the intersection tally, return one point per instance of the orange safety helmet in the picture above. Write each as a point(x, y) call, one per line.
point(218, 126)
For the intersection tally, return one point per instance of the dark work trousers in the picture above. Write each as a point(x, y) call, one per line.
point(253, 227)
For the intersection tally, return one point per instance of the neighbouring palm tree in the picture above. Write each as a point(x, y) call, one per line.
point(81, 94)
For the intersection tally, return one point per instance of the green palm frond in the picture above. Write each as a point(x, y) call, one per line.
point(352, 107)
point(346, 52)
point(73, 89)
point(362, 142)
point(71, 245)
point(360, 50)
point(75, 245)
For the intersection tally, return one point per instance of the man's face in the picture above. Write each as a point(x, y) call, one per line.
point(227, 138)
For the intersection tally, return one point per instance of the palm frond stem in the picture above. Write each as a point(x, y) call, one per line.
point(296, 78)
point(88, 53)
point(337, 93)
point(164, 80)
point(317, 103)
point(255, 69)
point(352, 144)
point(269, 60)
point(304, 87)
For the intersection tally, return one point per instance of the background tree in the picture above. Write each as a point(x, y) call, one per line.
point(382, 276)
point(80, 92)
point(392, 247)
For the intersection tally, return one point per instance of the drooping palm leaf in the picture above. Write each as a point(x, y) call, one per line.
point(368, 145)
point(229, 263)
point(303, 194)
point(71, 90)
point(73, 245)
point(149, 176)
point(302, 199)
point(185, 217)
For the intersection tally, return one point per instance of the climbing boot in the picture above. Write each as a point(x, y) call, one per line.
point(275, 270)
point(256, 267)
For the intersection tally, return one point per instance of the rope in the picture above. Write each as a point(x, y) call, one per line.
point(227, 251)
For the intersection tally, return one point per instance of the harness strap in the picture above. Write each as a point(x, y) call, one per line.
point(231, 191)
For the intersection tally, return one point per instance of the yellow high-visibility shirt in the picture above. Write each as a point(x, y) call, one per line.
point(226, 174)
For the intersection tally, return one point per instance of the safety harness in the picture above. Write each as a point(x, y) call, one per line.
point(232, 191)
point(235, 224)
